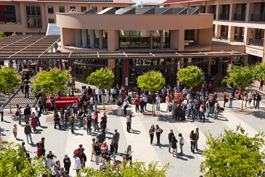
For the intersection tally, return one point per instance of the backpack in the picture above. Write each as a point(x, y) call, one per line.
point(210, 86)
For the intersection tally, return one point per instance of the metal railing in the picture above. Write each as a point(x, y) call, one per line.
point(257, 42)
point(257, 17)
point(224, 16)
point(239, 16)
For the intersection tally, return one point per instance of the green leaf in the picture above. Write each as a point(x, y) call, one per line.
point(190, 76)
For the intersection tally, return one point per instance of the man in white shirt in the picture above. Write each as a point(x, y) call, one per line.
point(77, 165)
point(102, 164)
point(145, 101)
point(216, 110)
point(157, 102)
point(189, 108)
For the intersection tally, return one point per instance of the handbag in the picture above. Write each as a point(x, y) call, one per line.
point(161, 130)
point(17, 113)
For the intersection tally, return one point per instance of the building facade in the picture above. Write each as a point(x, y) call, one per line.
point(27, 17)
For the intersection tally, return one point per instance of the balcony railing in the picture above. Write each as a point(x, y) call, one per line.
point(257, 42)
point(224, 16)
point(239, 16)
point(257, 17)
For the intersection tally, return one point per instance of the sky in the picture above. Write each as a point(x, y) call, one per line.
point(139, 1)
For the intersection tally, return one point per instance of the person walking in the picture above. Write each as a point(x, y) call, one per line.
point(83, 158)
point(56, 119)
point(119, 106)
point(88, 124)
point(2, 112)
point(224, 99)
point(261, 85)
point(27, 113)
point(116, 137)
point(170, 140)
point(22, 85)
point(112, 149)
point(67, 163)
point(197, 138)
point(201, 112)
point(77, 165)
point(258, 99)
point(189, 105)
point(216, 108)
point(95, 121)
point(142, 103)
point(93, 144)
point(207, 107)
point(158, 99)
point(136, 102)
point(151, 133)
point(15, 131)
point(72, 122)
point(97, 152)
point(158, 131)
point(19, 115)
point(231, 100)
point(128, 154)
point(128, 122)
point(27, 131)
point(181, 143)
point(174, 142)
point(125, 106)
point(26, 91)
point(192, 141)
point(37, 115)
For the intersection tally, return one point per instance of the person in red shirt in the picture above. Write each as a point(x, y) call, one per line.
point(105, 117)
point(78, 151)
point(137, 102)
point(38, 152)
point(96, 121)
point(215, 96)
point(33, 124)
point(224, 98)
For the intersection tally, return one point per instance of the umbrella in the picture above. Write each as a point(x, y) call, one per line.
point(33, 64)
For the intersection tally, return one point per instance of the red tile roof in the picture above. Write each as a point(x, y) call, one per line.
point(180, 1)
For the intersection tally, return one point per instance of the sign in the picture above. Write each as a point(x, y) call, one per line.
point(255, 52)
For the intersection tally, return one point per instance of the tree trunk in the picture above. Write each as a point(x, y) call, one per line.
point(242, 107)
point(103, 101)
point(9, 102)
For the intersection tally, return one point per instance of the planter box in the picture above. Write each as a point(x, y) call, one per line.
point(62, 102)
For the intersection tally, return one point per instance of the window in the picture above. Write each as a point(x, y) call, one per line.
point(72, 7)
point(190, 37)
point(83, 8)
point(7, 13)
point(95, 8)
point(166, 39)
point(61, 9)
point(156, 38)
point(124, 39)
point(51, 20)
point(33, 16)
point(103, 8)
point(50, 9)
point(145, 39)
point(105, 39)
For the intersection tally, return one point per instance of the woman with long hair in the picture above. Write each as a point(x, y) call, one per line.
point(151, 133)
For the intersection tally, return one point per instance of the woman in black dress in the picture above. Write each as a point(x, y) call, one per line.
point(67, 163)
point(174, 145)
point(151, 132)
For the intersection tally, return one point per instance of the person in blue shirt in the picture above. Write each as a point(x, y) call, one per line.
point(69, 107)
point(99, 95)
point(114, 93)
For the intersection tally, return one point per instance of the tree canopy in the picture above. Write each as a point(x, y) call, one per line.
point(234, 153)
point(14, 162)
point(102, 78)
point(190, 76)
point(8, 80)
point(241, 75)
point(52, 82)
point(2, 34)
point(138, 169)
point(259, 70)
point(151, 81)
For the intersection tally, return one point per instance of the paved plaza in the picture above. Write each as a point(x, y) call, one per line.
point(64, 142)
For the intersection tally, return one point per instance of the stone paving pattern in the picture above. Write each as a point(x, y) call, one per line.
point(63, 142)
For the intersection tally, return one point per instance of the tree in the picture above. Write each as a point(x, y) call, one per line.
point(259, 70)
point(234, 153)
point(190, 76)
point(152, 81)
point(2, 34)
point(138, 169)
point(14, 162)
point(102, 78)
point(243, 76)
point(8, 81)
point(51, 82)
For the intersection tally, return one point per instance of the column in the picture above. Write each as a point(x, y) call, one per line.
point(231, 33)
point(239, 32)
point(247, 34)
point(100, 39)
point(77, 38)
point(218, 30)
point(92, 39)
point(151, 39)
point(263, 58)
point(209, 66)
point(84, 38)
point(181, 39)
point(249, 11)
point(161, 38)
point(245, 61)
point(217, 12)
point(231, 12)
point(254, 35)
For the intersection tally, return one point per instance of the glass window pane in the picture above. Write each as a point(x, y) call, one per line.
point(88, 38)
point(105, 39)
point(96, 38)
point(50, 9)
point(156, 38)
point(124, 39)
point(39, 23)
point(33, 11)
point(83, 8)
point(145, 39)
point(135, 39)
point(38, 10)
point(166, 39)
point(61, 9)
point(28, 10)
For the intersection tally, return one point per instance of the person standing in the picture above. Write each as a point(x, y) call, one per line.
point(261, 85)
point(201, 112)
point(83, 158)
point(128, 122)
point(27, 113)
point(170, 140)
point(67, 163)
point(224, 99)
point(97, 152)
point(38, 152)
point(95, 121)
point(15, 131)
point(27, 131)
point(26, 91)
point(77, 165)
point(197, 138)
point(137, 102)
point(116, 137)
point(231, 100)
point(22, 86)
point(174, 142)
point(88, 124)
point(42, 146)
point(158, 99)
point(37, 115)
point(119, 107)
point(145, 101)
point(100, 95)
point(101, 137)
point(181, 143)
point(125, 106)
point(93, 144)
point(128, 154)
point(192, 141)
point(216, 107)
point(19, 115)
point(189, 109)
point(112, 149)
point(72, 122)
point(2, 112)
point(151, 133)
point(158, 133)
point(258, 99)
point(56, 119)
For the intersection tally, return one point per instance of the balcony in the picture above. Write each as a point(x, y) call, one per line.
point(240, 17)
point(257, 42)
point(224, 16)
point(257, 17)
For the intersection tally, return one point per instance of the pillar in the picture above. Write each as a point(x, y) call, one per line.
point(161, 38)
point(247, 35)
point(263, 58)
point(92, 39)
point(245, 61)
point(254, 35)
point(77, 38)
point(209, 66)
point(151, 39)
point(100, 39)
point(70, 83)
point(218, 30)
point(84, 38)
point(239, 32)
point(231, 33)
point(249, 11)
point(231, 12)
point(217, 17)
point(182, 63)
